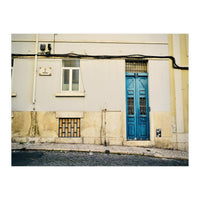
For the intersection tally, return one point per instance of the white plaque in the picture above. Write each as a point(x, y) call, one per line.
point(45, 71)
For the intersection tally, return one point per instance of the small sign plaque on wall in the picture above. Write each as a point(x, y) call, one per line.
point(45, 71)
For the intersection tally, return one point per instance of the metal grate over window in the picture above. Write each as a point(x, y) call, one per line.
point(143, 106)
point(136, 66)
point(130, 105)
point(69, 127)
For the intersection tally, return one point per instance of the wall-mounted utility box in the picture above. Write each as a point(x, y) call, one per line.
point(158, 132)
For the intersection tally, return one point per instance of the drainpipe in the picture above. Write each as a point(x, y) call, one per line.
point(33, 130)
point(105, 138)
point(35, 72)
point(101, 130)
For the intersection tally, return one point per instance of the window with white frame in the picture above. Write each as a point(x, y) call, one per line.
point(70, 75)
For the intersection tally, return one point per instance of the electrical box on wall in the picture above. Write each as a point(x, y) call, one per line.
point(45, 71)
point(158, 132)
point(45, 48)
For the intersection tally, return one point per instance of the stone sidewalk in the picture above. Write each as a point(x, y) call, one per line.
point(154, 152)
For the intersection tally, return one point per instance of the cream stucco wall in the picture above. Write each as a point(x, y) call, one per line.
point(22, 84)
point(160, 102)
point(129, 38)
point(95, 44)
point(159, 86)
point(179, 49)
point(103, 82)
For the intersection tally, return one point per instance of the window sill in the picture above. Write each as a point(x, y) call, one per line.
point(13, 94)
point(62, 114)
point(70, 94)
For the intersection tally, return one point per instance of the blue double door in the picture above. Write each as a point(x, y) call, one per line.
point(137, 106)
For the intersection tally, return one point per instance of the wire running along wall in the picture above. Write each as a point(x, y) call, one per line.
point(131, 56)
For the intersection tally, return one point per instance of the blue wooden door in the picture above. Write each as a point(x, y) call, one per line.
point(137, 106)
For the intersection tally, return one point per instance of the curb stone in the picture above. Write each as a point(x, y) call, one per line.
point(144, 151)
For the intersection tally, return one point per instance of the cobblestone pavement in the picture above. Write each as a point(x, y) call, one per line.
point(67, 158)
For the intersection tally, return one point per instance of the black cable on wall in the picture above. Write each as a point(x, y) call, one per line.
point(132, 56)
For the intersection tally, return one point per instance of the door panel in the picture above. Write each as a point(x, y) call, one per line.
point(130, 102)
point(137, 106)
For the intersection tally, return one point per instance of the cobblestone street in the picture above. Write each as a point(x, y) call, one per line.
point(67, 158)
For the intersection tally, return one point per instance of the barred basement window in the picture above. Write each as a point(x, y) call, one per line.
point(136, 66)
point(69, 127)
